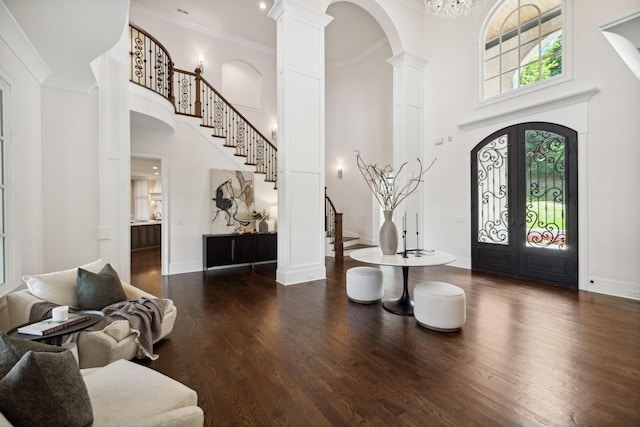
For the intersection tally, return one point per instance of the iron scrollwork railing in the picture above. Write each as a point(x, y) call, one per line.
point(192, 95)
point(151, 64)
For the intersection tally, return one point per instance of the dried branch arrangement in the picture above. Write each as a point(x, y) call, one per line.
point(382, 182)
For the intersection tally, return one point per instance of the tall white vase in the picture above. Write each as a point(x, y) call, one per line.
point(388, 234)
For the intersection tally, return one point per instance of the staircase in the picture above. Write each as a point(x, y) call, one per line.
point(336, 244)
point(151, 67)
point(191, 95)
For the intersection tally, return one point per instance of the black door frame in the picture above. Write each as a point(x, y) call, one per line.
point(517, 258)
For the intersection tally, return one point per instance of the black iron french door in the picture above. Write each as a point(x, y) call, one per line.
point(524, 194)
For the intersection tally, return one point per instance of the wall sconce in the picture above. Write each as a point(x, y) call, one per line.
point(200, 65)
point(340, 172)
point(274, 131)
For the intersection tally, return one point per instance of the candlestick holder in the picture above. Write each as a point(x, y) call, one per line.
point(404, 244)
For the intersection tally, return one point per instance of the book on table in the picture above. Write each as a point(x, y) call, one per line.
point(49, 326)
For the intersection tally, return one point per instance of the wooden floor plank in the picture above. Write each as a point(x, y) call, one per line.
point(263, 354)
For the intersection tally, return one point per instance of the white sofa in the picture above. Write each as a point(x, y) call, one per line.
point(95, 348)
point(124, 393)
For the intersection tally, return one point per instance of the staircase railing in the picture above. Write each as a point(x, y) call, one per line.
point(150, 63)
point(191, 95)
point(333, 225)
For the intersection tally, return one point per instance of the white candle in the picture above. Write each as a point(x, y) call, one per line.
point(416, 222)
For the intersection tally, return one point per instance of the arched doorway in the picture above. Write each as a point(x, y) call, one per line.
point(524, 198)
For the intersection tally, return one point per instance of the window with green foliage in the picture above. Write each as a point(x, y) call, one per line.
point(545, 66)
point(522, 45)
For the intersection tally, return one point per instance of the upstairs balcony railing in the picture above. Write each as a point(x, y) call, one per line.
point(191, 95)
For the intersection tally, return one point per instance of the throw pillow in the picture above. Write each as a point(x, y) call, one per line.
point(12, 350)
point(45, 389)
point(59, 287)
point(95, 291)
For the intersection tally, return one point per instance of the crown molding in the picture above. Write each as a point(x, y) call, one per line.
point(184, 23)
point(15, 38)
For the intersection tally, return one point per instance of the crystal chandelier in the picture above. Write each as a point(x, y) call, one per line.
point(450, 8)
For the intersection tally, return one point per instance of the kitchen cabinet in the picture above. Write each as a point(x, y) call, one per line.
point(229, 249)
point(145, 236)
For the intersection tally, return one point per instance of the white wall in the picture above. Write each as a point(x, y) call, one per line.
point(24, 157)
point(51, 165)
point(69, 178)
point(609, 148)
point(358, 117)
point(191, 154)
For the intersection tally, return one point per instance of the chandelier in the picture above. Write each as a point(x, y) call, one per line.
point(450, 8)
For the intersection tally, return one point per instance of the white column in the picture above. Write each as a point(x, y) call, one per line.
point(111, 70)
point(408, 135)
point(300, 62)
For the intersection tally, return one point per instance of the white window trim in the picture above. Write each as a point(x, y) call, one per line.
point(11, 282)
point(567, 60)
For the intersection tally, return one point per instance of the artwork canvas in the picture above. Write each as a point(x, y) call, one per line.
point(232, 200)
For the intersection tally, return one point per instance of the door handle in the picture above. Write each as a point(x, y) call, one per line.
point(233, 250)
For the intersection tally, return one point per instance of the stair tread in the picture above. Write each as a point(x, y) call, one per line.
point(357, 246)
point(344, 240)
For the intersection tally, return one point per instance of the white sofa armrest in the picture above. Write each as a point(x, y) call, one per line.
point(132, 292)
point(125, 393)
point(19, 305)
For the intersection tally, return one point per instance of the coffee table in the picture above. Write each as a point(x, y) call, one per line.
point(56, 337)
point(403, 305)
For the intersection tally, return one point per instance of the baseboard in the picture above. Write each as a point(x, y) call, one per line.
point(461, 263)
point(292, 276)
point(184, 267)
point(613, 287)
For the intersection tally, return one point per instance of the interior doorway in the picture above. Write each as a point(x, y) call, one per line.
point(147, 221)
point(525, 203)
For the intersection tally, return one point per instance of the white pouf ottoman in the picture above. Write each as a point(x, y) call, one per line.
point(364, 285)
point(439, 306)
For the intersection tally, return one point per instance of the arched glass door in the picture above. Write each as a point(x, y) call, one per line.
point(525, 203)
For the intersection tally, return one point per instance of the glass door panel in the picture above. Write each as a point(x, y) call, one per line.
point(546, 189)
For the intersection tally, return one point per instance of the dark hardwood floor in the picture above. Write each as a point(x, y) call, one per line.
point(263, 354)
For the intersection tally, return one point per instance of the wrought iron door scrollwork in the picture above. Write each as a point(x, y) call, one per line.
point(493, 220)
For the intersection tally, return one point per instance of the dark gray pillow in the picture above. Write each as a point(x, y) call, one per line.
point(45, 389)
point(95, 291)
point(12, 350)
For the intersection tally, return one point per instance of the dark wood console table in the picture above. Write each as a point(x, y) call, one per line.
point(231, 249)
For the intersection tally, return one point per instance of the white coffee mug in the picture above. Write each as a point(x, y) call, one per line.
point(60, 314)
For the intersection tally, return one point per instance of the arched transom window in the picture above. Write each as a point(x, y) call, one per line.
point(522, 45)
